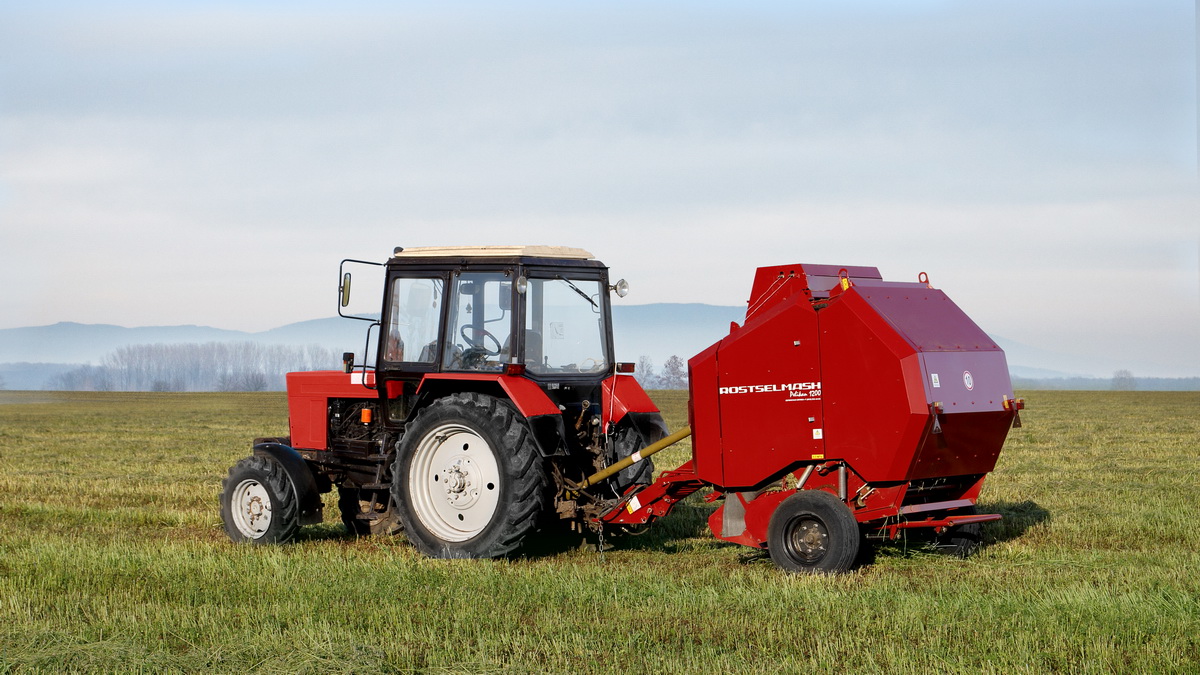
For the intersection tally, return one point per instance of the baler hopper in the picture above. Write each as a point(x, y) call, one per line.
point(844, 407)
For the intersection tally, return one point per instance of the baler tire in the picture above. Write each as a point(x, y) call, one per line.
point(351, 504)
point(258, 502)
point(812, 531)
point(962, 541)
point(497, 492)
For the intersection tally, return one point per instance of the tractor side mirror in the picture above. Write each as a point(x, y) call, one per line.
point(347, 361)
point(345, 290)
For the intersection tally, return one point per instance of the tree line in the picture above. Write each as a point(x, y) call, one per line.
point(212, 366)
point(672, 376)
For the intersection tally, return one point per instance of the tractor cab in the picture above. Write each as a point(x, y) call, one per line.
point(539, 311)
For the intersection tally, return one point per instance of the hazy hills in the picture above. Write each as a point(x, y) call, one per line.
point(31, 356)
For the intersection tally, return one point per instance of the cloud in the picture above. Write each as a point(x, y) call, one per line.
point(208, 152)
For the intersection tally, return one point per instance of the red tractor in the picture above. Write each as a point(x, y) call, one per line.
point(493, 387)
point(845, 408)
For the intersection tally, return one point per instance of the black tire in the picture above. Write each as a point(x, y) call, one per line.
point(963, 541)
point(353, 502)
point(468, 480)
point(813, 531)
point(628, 440)
point(258, 502)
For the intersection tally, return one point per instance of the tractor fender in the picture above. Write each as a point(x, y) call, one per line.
point(308, 497)
point(622, 395)
point(542, 415)
point(529, 398)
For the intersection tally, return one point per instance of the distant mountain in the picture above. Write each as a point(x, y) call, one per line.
point(30, 356)
point(658, 331)
point(89, 343)
point(662, 330)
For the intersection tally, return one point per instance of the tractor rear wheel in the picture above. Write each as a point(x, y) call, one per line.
point(353, 502)
point(812, 531)
point(468, 480)
point(258, 502)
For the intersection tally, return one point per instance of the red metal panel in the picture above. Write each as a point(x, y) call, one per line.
point(969, 444)
point(755, 398)
point(874, 401)
point(525, 394)
point(622, 394)
point(777, 283)
point(308, 402)
point(967, 381)
point(928, 319)
point(769, 389)
point(704, 415)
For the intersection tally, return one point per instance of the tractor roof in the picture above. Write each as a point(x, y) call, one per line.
point(562, 252)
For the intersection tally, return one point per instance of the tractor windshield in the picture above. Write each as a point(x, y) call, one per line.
point(564, 326)
point(480, 322)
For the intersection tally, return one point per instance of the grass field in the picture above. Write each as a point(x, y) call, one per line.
point(112, 557)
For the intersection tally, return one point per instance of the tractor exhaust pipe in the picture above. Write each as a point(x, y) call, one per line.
point(636, 457)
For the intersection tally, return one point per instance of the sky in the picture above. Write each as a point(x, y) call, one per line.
point(171, 163)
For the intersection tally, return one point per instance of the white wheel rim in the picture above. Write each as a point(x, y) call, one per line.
point(251, 506)
point(454, 482)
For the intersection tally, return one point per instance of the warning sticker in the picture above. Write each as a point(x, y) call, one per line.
point(968, 381)
point(936, 383)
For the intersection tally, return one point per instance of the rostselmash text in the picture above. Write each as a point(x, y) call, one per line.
point(765, 388)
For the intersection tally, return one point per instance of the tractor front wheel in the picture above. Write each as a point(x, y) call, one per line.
point(258, 502)
point(468, 481)
point(813, 531)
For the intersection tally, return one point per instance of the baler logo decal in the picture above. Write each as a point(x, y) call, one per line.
point(968, 380)
point(796, 391)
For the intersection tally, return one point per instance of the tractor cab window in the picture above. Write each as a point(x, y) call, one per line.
point(416, 307)
point(564, 326)
point(480, 322)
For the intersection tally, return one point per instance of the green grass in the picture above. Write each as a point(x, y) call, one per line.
point(112, 557)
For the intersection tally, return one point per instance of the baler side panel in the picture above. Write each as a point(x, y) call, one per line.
point(769, 393)
point(882, 343)
point(961, 368)
point(704, 415)
point(874, 404)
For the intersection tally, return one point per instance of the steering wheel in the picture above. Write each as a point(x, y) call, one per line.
point(481, 332)
point(584, 367)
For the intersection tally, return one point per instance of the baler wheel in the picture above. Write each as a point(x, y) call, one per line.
point(352, 502)
point(813, 531)
point(962, 541)
point(258, 502)
point(468, 481)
